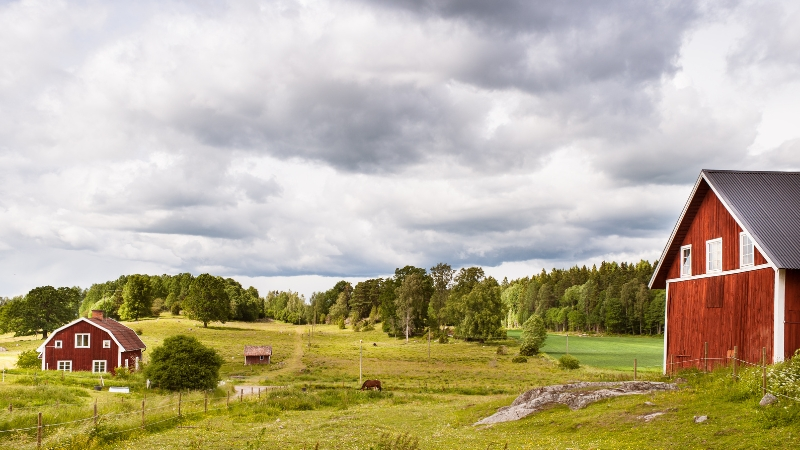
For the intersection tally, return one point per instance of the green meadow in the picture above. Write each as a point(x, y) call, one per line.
point(433, 394)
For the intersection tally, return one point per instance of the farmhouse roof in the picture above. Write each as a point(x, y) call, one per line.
point(257, 350)
point(765, 204)
point(126, 338)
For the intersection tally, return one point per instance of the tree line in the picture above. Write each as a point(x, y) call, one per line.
point(465, 303)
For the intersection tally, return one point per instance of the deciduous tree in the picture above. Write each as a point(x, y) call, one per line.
point(207, 300)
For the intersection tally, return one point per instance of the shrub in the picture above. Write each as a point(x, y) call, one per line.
point(501, 350)
point(533, 335)
point(182, 362)
point(569, 362)
point(368, 327)
point(519, 359)
point(139, 331)
point(443, 339)
point(29, 359)
point(341, 323)
point(356, 326)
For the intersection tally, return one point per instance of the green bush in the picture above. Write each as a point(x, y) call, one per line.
point(519, 359)
point(569, 362)
point(29, 359)
point(182, 362)
point(534, 334)
point(341, 323)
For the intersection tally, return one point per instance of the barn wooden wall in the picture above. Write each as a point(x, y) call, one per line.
point(712, 221)
point(742, 316)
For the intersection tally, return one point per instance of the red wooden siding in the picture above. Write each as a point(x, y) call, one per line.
point(743, 319)
point(255, 360)
point(712, 221)
point(792, 319)
point(82, 358)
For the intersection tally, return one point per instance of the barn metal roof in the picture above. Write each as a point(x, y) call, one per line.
point(765, 204)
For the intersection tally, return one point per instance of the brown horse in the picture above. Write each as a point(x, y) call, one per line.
point(372, 384)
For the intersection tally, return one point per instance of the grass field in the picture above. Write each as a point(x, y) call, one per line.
point(431, 399)
point(609, 352)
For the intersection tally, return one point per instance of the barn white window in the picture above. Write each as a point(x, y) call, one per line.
point(686, 261)
point(58, 344)
point(99, 366)
point(106, 343)
point(747, 252)
point(714, 255)
point(65, 366)
point(82, 340)
point(261, 358)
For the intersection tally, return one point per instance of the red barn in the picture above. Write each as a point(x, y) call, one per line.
point(731, 269)
point(96, 344)
point(257, 354)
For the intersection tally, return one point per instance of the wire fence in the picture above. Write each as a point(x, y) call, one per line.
point(143, 414)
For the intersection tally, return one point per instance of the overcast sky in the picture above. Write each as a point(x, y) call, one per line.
point(289, 144)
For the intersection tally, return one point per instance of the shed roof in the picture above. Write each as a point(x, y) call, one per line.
point(765, 204)
point(257, 350)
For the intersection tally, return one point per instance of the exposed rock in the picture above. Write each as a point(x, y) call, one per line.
point(768, 399)
point(700, 419)
point(649, 403)
point(3, 349)
point(574, 395)
point(651, 416)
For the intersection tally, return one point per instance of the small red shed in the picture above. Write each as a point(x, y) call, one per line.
point(257, 354)
point(731, 269)
point(94, 344)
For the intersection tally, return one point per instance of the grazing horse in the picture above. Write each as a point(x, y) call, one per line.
point(372, 384)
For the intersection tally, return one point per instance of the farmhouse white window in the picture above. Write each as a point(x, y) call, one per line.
point(747, 252)
point(686, 261)
point(714, 255)
point(106, 343)
point(82, 340)
point(58, 344)
point(99, 366)
point(66, 366)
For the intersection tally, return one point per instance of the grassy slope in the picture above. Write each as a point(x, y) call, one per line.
point(437, 400)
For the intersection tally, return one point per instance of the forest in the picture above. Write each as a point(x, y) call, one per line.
point(464, 303)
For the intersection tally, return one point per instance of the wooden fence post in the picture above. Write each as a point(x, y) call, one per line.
point(228, 400)
point(763, 371)
point(95, 412)
point(705, 356)
point(205, 402)
point(39, 432)
point(735, 356)
point(634, 369)
point(143, 414)
point(179, 403)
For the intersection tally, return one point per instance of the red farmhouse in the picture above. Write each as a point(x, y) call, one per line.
point(257, 354)
point(732, 269)
point(97, 344)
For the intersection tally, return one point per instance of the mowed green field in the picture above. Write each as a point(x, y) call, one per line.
point(433, 394)
point(609, 352)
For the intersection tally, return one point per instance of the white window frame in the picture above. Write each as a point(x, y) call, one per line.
point(94, 366)
point(106, 343)
point(88, 340)
point(65, 366)
point(58, 344)
point(711, 267)
point(686, 267)
point(260, 357)
point(751, 246)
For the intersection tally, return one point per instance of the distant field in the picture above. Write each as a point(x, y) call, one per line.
point(616, 352)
